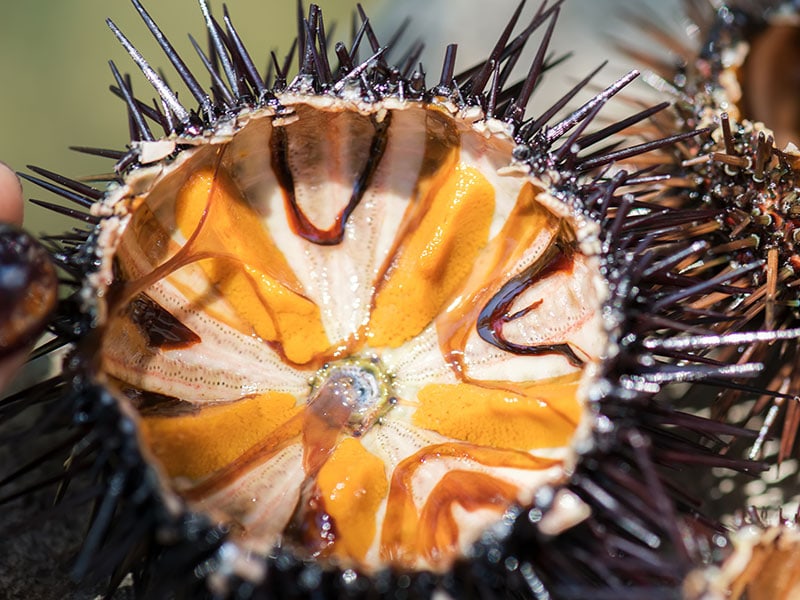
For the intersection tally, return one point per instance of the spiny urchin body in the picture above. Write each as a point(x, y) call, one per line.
point(353, 274)
point(743, 178)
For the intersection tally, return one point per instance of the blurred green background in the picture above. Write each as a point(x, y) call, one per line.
point(54, 54)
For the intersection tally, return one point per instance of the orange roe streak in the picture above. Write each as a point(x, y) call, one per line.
point(196, 445)
point(527, 221)
point(252, 273)
point(352, 485)
point(435, 259)
point(542, 416)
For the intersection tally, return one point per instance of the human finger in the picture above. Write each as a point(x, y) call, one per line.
point(10, 196)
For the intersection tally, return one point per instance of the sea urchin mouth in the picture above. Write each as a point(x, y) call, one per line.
point(366, 341)
point(351, 394)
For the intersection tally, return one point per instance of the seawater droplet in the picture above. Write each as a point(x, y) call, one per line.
point(349, 577)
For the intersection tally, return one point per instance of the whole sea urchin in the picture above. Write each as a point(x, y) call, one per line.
point(344, 333)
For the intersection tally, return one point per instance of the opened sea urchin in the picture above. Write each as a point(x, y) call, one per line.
point(348, 334)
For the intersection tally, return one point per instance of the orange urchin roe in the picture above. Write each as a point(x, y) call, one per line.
point(247, 268)
point(352, 485)
point(196, 445)
point(435, 260)
point(545, 416)
point(528, 223)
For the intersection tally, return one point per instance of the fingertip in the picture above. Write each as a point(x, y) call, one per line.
point(11, 203)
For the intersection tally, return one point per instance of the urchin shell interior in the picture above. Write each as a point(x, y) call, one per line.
point(351, 328)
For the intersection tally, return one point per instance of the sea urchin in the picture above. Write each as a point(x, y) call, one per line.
point(345, 333)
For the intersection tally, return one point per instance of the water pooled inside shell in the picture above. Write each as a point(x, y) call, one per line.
point(353, 331)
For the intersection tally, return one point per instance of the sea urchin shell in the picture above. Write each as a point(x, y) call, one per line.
point(360, 336)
